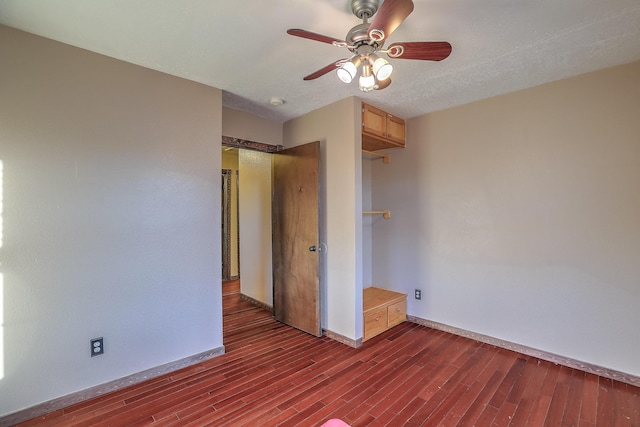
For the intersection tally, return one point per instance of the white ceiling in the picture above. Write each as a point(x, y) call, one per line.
point(241, 47)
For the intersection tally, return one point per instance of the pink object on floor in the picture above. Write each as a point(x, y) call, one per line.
point(335, 423)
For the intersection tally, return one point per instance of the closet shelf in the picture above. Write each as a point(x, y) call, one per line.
point(385, 214)
point(385, 157)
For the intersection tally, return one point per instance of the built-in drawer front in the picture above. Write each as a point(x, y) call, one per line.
point(375, 322)
point(397, 313)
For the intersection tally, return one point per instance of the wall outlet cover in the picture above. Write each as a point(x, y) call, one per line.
point(97, 346)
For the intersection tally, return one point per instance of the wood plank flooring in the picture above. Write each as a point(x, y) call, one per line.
point(411, 375)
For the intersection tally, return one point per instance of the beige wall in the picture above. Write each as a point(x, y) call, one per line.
point(238, 124)
point(111, 213)
point(337, 128)
point(255, 225)
point(519, 217)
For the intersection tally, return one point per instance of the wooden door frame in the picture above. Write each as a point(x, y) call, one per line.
point(226, 224)
point(245, 144)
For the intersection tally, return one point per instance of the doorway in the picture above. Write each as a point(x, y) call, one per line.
point(252, 200)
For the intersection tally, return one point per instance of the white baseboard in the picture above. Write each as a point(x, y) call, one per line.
point(529, 351)
point(99, 390)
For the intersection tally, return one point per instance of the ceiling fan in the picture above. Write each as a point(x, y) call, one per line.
point(366, 40)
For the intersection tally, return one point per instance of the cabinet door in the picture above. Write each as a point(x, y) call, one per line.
point(374, 121)
point(397, 313)
point(395, 129)
point(375, 322)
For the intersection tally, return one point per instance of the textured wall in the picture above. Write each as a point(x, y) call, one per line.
point(111, 195)
point(519, 217)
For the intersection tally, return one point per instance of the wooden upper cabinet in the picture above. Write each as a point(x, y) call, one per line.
point(381, 130)
point(374, 121)
point(395, 129)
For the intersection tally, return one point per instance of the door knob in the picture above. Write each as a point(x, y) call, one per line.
point(312, 248)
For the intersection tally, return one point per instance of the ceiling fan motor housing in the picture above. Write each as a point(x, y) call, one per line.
point(359, 36)
point(364, 9)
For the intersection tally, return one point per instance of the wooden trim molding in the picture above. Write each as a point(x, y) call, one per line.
point(99, 390)
point(238, 219)
point(342, 339)
point(256, 302)
point(229, 141)
point(529, 351)
point(226, 224)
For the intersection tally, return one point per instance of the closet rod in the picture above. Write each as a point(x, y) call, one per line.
point(385, 214)
point(385, 157)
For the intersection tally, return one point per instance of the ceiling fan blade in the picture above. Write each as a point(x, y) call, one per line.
point(313, 36)
point(388, 18)
point(428, 51)
point(321, 72)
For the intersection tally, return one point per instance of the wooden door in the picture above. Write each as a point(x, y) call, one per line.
point(296, 288)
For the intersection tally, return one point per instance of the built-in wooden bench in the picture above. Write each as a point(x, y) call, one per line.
point(382, 310)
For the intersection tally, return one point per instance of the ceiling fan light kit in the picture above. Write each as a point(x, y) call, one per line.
point(381, 67)
point(348, 71)
point(367, 80)
point(365, 39)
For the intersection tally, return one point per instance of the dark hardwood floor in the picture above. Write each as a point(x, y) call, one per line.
point(412, 375)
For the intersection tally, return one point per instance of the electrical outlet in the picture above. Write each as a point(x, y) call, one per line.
point(97, 346)
point(418, 294)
